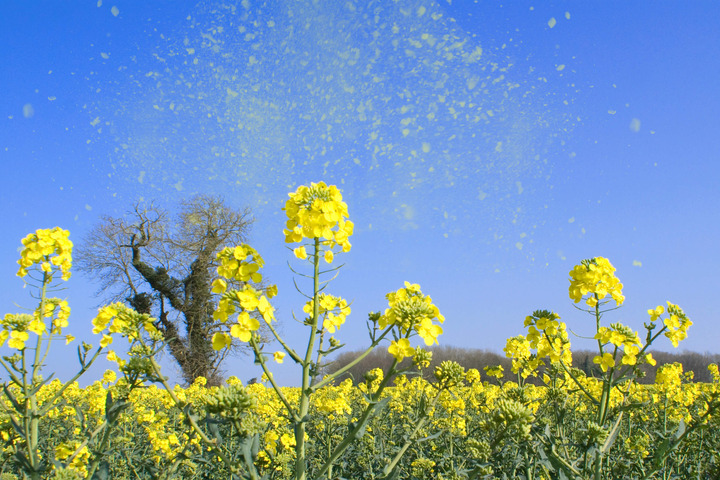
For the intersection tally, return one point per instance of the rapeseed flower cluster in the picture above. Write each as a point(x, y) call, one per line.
point(547, 338)
point(671, 382)
point(334, 310)
point(620, 336)
point(47, 247)
point(677, 323)
point(79, 463)
point(596, 277)
point(249, 300)
point(313, 212)
point(523, 360)
point(232, 402)
point(54, 308)
point(16, 326)
point(234, 265)
point(411, 312)
point(495, 371)
point(334, 401)
point(669, 377)
point(454, 418)
point(119, 318)
point(240, 264)
point(421, 358)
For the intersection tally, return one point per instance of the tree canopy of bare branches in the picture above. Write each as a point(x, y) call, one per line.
point(165, 266)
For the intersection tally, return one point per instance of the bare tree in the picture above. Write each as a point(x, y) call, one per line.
point(165, 268)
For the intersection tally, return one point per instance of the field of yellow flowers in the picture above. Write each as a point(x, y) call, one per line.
point(474, 429)
point(391, 425)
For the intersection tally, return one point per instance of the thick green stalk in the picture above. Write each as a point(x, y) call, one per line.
point(605, 396)
point(31, 418)
point(330, 378)
point(306, 391)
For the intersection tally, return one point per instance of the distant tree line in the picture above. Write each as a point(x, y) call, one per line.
point(478, 359)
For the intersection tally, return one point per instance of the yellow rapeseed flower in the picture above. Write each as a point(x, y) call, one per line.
point(48, 248)
point(221, 340)
point(605, 361)
point(300, 252)
point(428, 331)
point(317, 211)
point(656, 312)
point(595, 277)
point(401, 349)
point(244, 327)
point(17, 339)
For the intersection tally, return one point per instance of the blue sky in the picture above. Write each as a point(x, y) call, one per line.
point(483, 148)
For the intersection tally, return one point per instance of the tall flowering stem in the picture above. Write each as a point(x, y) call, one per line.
point(46, 253)
point(620, 349)
point(317, 220)
point(316, 213)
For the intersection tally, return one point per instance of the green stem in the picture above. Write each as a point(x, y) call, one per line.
point(306, 391)
point(330, 378)
point(285, 346)
point(62, 389)
point(605, 395)
point(319, 357)
point(271, 379)
point(31, 417)
point(13, 377)
point(580, 385)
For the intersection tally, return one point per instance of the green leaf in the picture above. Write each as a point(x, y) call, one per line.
point(212, 425)
point(680, 430)
point(37, 386)
point(431, 437)
point(612, 435)
point(11, 397)
point(113, 412)
point(102, 472)
point(17, 427)
point(23, 461)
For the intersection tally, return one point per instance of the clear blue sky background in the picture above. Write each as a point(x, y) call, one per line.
point(483, 148)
